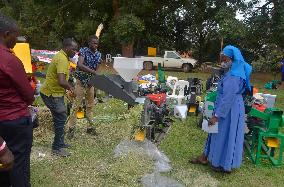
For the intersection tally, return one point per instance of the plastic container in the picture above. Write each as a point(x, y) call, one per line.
point(171, 81)
point(270, 100)
point(200, 106)
point(208, 109)
point(180, 86)
point(180, 111)
point(128, 68)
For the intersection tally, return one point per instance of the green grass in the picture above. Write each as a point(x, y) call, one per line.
point(92, 162)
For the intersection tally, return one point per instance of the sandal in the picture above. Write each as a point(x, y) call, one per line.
point(198, 161)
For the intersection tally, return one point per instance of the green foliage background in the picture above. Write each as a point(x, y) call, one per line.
point(196, 25)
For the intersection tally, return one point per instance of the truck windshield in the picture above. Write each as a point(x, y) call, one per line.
point(172, 55)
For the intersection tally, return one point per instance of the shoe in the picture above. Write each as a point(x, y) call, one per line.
point(70, 133)
point(202, 160)
point(60, 152)
point(92, 131)
point(220, 170)
point(66, 146)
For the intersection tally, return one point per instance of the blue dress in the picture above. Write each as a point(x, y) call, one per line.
point(224, 149)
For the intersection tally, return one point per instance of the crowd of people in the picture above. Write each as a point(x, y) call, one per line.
point(53, 89)
point(16, 95)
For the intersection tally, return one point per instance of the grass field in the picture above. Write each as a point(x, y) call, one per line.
point(92, 162)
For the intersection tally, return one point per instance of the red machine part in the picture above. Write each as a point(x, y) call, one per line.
point(158, 99)
point(260, 107)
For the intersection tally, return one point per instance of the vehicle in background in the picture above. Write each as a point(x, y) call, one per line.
point(171, 59)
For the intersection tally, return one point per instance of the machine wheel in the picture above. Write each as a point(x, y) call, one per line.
point(186, 68)
point(146, 120)
point(148, 65)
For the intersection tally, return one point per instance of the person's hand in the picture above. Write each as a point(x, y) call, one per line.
point(71, 93)
point(213, 121)
point(6, 161)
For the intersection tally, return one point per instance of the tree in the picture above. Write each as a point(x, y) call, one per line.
point(127, 24)
point(126, 30)
point(203, 25)
point(130, 26)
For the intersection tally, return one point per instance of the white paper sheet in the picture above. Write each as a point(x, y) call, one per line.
point(209, 129)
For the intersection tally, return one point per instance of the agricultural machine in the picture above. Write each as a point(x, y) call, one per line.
point(155, 119)
point(155, 115)
point(264, 139)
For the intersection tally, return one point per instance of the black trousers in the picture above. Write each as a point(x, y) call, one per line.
point(59, 114)
point(18, 135)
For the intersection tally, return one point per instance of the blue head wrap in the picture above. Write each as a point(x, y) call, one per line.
point(240, 67)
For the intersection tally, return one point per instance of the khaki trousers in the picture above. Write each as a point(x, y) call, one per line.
point(81, 93)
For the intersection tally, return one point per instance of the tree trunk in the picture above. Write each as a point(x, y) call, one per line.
point(200, 48)
point(157, 3)
point(115, 7)
point(200, 55)
point(127, 49)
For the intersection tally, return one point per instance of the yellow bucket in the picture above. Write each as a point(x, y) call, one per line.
point(272, 142)
point(192, 109)
point(140, 135)
point(80, 114)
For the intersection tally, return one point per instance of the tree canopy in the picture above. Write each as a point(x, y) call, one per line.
point(130, 26)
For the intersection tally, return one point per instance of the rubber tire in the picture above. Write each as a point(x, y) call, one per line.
point(148, 65)
point(186, 68)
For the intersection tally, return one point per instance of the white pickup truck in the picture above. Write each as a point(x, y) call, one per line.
point(171, 60)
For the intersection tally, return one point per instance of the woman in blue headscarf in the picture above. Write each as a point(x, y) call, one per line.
point(223, 150)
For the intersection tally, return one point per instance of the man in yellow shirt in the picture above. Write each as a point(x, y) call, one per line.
point(53, 89)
